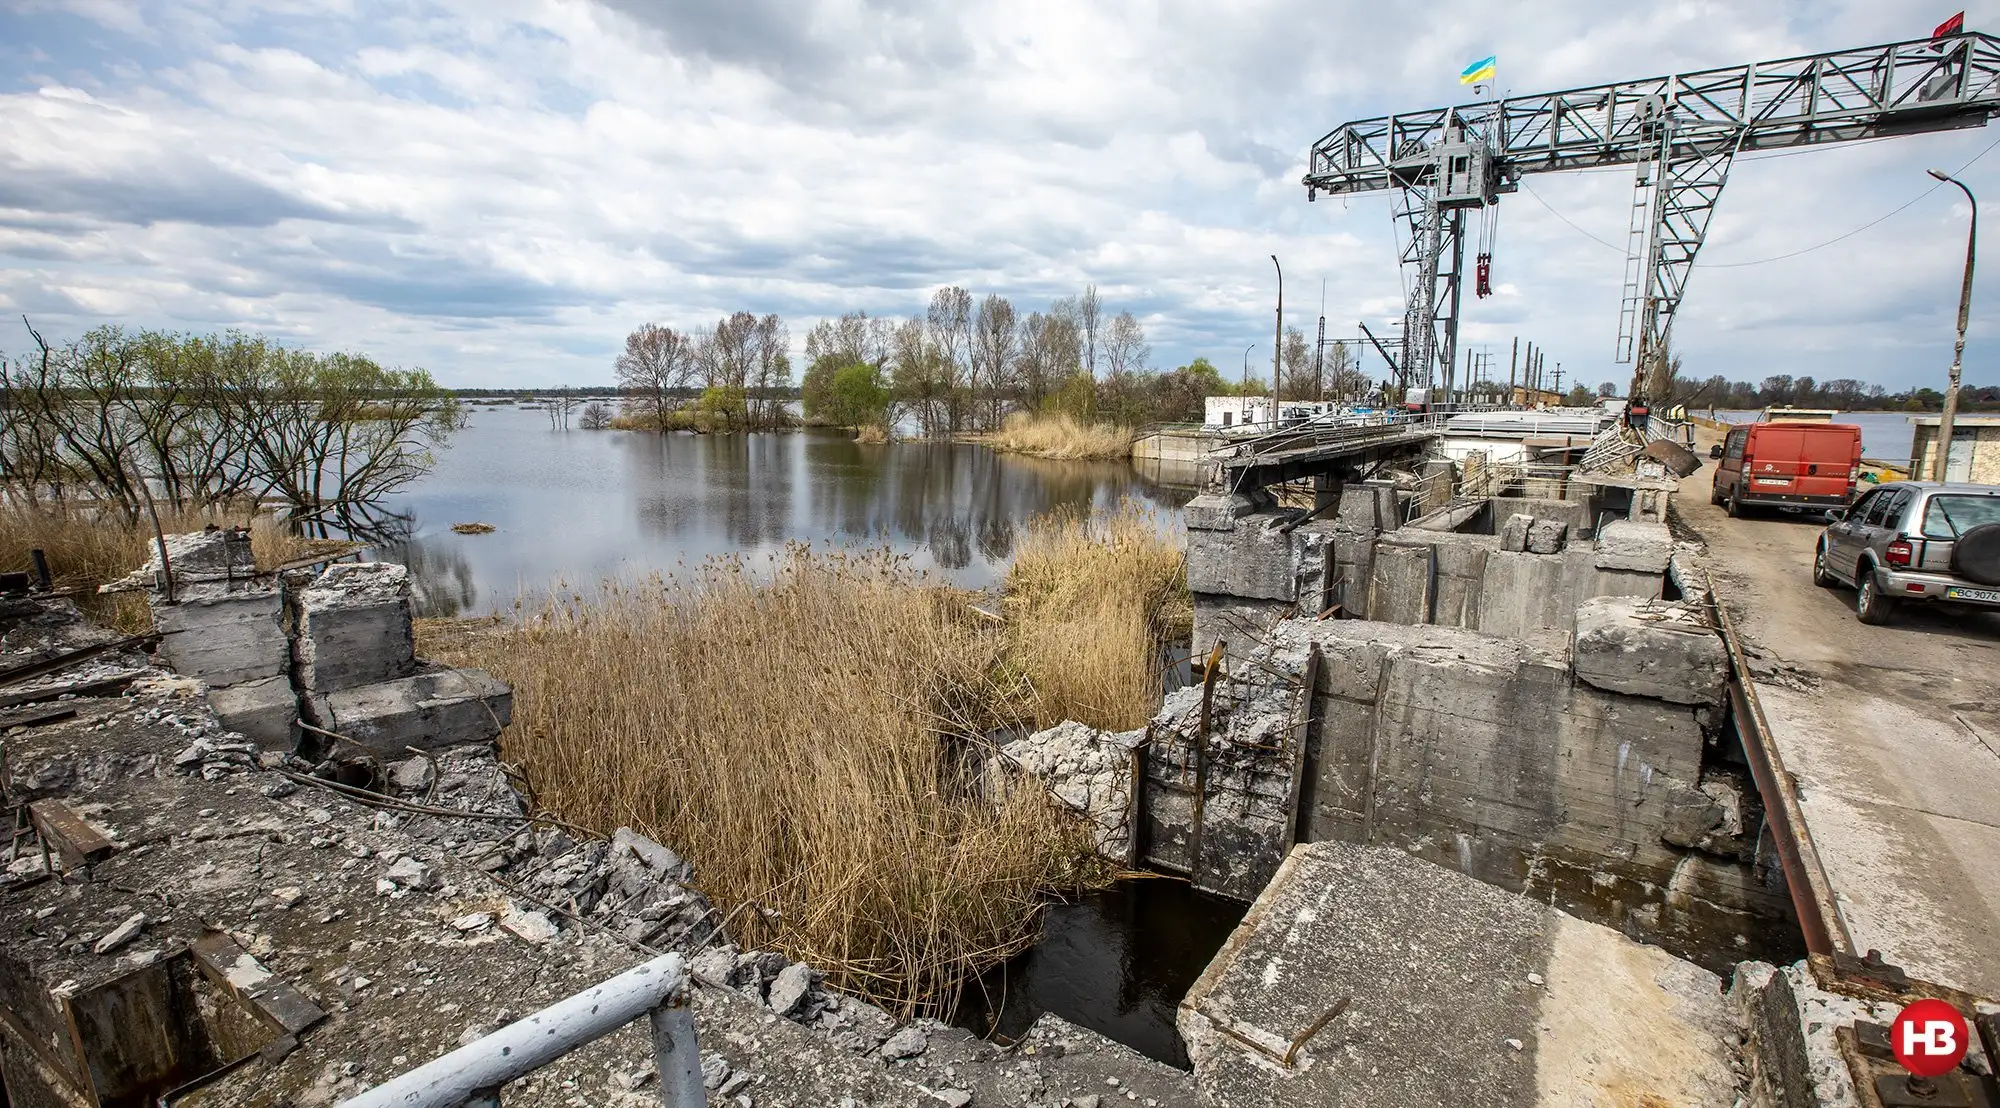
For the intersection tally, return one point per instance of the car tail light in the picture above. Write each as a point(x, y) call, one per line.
point(1898, 553)
point(1914, 587)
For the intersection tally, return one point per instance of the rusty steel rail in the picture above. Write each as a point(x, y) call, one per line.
point(1805, 879)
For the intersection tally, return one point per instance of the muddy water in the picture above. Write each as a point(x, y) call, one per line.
point(1116, 961)
point(584, 505)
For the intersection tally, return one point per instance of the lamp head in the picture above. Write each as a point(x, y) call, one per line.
point(1938, 174)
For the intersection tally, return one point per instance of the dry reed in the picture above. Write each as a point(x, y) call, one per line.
point(1089, 603)
point(805, 741)
point(807, 734)
point(1058, 436)
point(87, 546)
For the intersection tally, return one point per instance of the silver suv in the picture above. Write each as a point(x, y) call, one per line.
point(1914, 540)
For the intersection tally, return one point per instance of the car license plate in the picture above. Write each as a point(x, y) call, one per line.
point(1773, 480)
point(1990, 596)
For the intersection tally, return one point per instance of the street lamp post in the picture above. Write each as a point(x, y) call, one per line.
point(1950, 414)
point(1277, 339)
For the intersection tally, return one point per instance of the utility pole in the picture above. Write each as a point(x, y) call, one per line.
point(1513, 366)
point(1559, 381)
point(1245, 390)
point(1950, 414)
point(1278, 338)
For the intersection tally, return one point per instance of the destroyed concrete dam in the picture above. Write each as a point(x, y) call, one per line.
point(1480, 748)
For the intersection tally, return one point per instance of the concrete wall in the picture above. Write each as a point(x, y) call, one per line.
point(1486, 754)
point(1174, 445)
point(1244, 566)
point(1979, 438)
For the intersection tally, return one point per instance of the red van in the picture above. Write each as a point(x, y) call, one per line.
point(1788, 464)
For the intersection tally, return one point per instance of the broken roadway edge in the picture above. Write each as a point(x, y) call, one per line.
point(1890, 735)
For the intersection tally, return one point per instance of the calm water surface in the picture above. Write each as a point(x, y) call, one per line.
point(1117, 961)
point(1884, 435)
point(581, 506)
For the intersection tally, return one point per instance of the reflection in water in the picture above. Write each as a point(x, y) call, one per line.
point(1117, 961)
point(580, 506)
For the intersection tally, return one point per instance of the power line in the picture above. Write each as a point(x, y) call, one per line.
point(1572, 223)
point(1912, 202)
point(1896, 211)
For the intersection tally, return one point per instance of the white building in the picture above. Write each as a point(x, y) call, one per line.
point(1223, 413)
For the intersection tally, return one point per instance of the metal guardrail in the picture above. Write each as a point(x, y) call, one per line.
point(472, 1075)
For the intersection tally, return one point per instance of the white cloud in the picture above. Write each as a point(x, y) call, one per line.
point(499, 190)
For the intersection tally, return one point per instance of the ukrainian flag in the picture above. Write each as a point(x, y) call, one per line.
point(1481, 70)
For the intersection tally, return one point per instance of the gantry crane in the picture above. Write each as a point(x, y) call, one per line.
point(1680, 133)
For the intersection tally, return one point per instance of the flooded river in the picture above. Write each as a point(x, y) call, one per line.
point(580, 506)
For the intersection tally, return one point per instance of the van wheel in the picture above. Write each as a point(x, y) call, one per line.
point(1821, 577)
point(1870, 605)
point(1714, 494)
point(1735, 505)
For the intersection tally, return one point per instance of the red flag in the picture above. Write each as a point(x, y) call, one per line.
point(1950, 26)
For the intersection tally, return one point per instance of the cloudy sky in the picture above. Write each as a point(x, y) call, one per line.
point(498, 190)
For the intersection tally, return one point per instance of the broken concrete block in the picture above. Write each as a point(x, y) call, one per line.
point(1220, 511)
point(1255, 560)
point(121, 934)
point(409, 873)
point(354, 627)
point(224, 633)
point(431, 709)
point(789, 988)
point(194, 556)
point(528, 926)
point(412, 775)
point(907, 1043)
point(1644, 547)
point(1546, 536)
point(1661, 649)
point(266, 711)
point(1514, 533)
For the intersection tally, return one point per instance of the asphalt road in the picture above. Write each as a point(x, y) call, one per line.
point(1892, 735)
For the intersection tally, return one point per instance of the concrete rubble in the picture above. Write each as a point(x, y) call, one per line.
point(335, 651)
point(1660, 649)
point(407, 933)
point(1090, 771)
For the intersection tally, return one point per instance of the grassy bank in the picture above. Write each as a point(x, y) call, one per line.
point(87, 547)
point(805, 736)
point(1060, 437)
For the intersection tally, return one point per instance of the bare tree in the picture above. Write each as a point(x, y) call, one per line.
point(657, 360)
point(917, 380)
point(1299, 378)
point(596, 416)
point(1125, 348)
point(1089, 318)
point(994, 348)
point(771, 370)
point(949, 323)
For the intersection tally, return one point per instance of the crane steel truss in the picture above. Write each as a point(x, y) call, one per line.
point(1681, 133)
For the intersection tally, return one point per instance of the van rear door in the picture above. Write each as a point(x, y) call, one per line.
point(1802, 459)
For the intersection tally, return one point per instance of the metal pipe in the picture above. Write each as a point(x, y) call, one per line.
point(1950, 413)
point(474, 1073)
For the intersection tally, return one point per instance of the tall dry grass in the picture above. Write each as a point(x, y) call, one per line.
point(1089, 603)
point(804, 740)
point(807, 734)
point(87, 547)
point(1056, 435)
